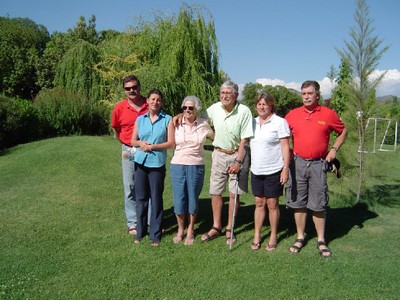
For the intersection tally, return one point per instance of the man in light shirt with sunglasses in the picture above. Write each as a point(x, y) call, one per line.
point(123, 118)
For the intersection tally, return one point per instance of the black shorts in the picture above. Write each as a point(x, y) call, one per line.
point(267, 185)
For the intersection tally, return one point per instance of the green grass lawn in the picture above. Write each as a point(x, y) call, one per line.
point(63, 236)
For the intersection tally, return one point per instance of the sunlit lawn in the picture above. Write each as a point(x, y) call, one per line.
point(63, 236)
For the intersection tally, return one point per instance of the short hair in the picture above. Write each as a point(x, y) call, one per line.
point(230, 85)
point(313, 83)
point(130, 78)
point(157, 92)
point(194, 99)
point(268, 99)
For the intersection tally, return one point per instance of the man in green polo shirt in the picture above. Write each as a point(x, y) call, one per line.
point(233, 126)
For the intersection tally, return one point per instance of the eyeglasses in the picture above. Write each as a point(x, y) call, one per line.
point(188, 107)
point(133, 87)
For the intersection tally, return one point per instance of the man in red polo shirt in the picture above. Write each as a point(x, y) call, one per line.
point(311, 126)
point(123, 118)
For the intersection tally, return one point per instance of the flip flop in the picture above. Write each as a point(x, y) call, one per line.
point(255, 246)
point(189, 241)
point(270, 247)
point(228, 238)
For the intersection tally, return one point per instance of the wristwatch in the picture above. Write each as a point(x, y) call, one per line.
point(240, 162)
point(335, 149)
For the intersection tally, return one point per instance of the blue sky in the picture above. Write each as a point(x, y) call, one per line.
point(272, 42)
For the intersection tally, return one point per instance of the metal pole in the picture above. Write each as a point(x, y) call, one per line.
point(234, 211)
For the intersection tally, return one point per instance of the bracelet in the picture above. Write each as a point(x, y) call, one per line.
point(335, 149)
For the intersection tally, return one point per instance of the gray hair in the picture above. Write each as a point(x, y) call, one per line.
point(194, 99)
point(230, 85)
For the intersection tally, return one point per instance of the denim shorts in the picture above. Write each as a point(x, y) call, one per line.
point(187, 182)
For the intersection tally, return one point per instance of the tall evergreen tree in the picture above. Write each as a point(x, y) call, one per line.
point(362, 53)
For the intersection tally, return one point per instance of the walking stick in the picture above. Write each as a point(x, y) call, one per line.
point(234, 211)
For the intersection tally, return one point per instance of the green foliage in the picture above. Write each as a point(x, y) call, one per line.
point(21, 45)
point(66, 113)
point(75, 73)
point(18, 123)
point(85, 32)
point(181, 55)
point(362, 53)
point(339, 96)
point(117, 60)
point(285, 99)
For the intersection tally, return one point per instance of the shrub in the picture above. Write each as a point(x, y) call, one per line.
point(18, 122)
point(62, 113)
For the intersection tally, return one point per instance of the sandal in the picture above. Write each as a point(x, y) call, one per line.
point(325, 252)
point(177, 239)
point(155, 243)
point(228, 238)
point(189, 240)
point(296, 249)
point(270, 247)
point(208, 237)
point(255, 246)
point(132, 230)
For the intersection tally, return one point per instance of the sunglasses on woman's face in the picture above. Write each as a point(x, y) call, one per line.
point(188, 107)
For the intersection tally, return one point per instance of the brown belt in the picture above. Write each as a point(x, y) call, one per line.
point(226, 151)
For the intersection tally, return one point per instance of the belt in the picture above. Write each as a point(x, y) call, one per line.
point(127, 145)
point(226, 151)
point(310, 159)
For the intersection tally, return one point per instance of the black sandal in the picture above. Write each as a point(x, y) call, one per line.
point(297, 249)
point(324, 250)
point(209, 237)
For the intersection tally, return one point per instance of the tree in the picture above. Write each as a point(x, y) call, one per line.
point(60, 43)
point(362, 53)
point(181, 55)
point(75, 73)
point(339, 94)
point(22, 42)
point(285, 99)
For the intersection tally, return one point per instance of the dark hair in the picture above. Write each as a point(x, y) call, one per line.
point(313, 83)
point(157, 92)
point(129, 79)
point(268, 99)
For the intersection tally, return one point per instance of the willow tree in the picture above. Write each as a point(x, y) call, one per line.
point(181, 56)
point(75, 72)
point(362, 53)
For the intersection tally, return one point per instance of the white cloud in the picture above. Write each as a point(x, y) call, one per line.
point(390, 84)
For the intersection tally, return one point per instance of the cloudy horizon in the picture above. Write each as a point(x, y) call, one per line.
point(389, 86)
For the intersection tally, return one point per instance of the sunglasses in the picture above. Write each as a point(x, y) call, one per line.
point(133, 87)
point(188, 107)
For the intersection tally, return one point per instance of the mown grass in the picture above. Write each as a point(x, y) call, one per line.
point(63, 236)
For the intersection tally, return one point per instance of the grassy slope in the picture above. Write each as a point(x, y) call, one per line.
point(62, 235)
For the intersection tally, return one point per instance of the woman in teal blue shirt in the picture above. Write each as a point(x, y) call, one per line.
point(153, 134)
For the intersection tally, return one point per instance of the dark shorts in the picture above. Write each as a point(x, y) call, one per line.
point(307, 186)
point(267, 185)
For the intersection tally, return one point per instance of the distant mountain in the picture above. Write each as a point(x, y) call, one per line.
point(388, 98)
